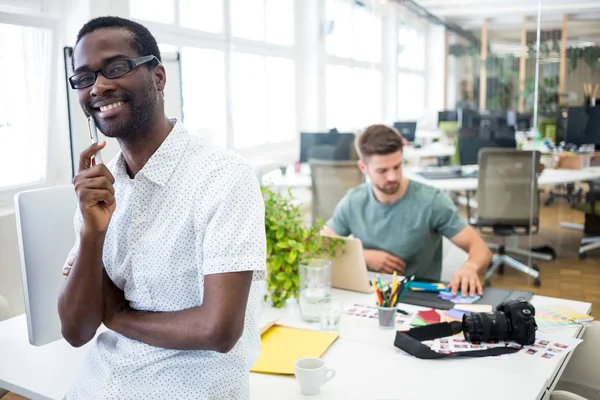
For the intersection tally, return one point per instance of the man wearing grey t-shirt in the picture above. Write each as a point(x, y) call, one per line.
point(401, 222)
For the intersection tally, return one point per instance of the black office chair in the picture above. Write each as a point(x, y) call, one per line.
point(508, 205)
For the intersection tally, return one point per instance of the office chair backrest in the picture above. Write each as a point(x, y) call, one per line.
point(469, 147)
point(330, 182)
point(507, 190)
point(46, 235)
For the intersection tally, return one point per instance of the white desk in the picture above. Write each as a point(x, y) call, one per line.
point(292, 179)
point(414, 155)
point(547, 177)
point(367, 364)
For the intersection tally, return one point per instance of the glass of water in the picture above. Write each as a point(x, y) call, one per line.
point(315, 287)
point(330, 315)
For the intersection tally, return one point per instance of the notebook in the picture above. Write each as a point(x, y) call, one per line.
point(282, 345)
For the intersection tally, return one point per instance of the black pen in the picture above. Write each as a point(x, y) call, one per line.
point(402, 311)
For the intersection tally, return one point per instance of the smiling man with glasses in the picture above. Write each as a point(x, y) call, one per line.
point(170, 241)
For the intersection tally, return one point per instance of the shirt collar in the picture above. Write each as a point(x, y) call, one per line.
point(162, 163)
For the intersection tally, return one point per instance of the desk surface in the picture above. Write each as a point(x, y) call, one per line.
point(411, 153)
point(367, 364)
point(548, 177)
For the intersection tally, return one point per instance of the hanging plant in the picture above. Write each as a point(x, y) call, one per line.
point(457, 50)
point(590, 56)
point(473, 49)
point(556, 46)
point(573, 56)
point(530, 50)
point(544, 49)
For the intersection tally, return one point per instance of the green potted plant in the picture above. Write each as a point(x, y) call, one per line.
point(290, 240)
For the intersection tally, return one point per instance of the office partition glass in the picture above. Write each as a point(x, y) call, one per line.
point(568, 116)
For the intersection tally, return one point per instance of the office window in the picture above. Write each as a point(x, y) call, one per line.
point(25, 59)
point(339, 24)
point(279, 22)
point(354, 31)
point(263, 106)
point(281, 103)
point(204, 15)
point(411, 96)
point(263, 20)
point(203, 86)
point(162, 11)
point(367, 35)
point(353, 97)
point(248, 106)
point(411, 47)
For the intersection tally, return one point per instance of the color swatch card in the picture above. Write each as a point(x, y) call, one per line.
point(456, 314)
point(458, 298)
point(426, 287)
point(429, 316)
point(565, 312)
point(485, 308)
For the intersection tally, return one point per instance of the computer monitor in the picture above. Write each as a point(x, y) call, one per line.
point(486, 125)
point(447, 116)
point(326, 146)
point(468, 147)
point(520, 121)
point(407, 129)
point(524, 122)
point(583, 126)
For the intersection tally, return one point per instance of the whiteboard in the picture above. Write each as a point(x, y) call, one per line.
point(78, 128)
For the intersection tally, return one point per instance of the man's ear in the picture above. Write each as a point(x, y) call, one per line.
point(362, 166)
point(160, 77)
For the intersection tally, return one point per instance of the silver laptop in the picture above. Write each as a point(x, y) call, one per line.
point(349, 270)
point(46, 234)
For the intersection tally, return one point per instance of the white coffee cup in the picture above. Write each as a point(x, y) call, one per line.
point(312, 373)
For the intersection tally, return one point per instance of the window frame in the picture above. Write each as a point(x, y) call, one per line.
point(351, 62)
point(403, 19)
point(51, 23)
point(175, 34)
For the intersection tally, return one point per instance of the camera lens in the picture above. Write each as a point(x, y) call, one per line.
point(482, 327)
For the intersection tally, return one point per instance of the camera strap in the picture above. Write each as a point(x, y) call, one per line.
point(410, 342)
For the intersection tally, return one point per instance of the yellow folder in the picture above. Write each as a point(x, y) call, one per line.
point(282, 345)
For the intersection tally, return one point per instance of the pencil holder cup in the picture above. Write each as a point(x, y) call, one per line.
point(387, 317)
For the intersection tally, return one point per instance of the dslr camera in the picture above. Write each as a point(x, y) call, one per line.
point(513, 320)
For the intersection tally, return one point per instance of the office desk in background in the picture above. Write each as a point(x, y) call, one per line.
point(547, 177)
point(413, 155)
point(302, 179)
point(367, 364)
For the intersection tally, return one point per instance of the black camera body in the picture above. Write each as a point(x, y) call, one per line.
point(513, 320)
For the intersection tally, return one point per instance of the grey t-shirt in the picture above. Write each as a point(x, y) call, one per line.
point(410, 228)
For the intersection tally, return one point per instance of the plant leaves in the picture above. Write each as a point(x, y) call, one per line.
point(281, 277)
point(292, 256)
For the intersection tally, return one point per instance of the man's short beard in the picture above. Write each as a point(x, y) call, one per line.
point(141, 115)
point(388, 191)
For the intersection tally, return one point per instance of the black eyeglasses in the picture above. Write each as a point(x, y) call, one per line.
point(112, 70)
